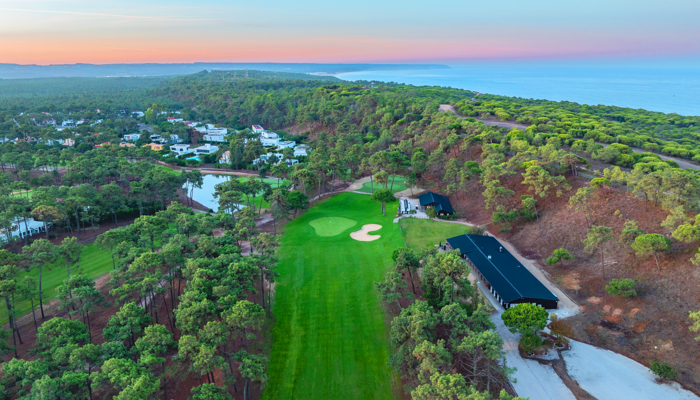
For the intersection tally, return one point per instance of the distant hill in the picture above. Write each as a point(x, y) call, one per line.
point(16, 71)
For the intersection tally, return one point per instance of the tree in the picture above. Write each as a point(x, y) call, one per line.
point(383, 196)
point(57, 334)
point(630, 231)
point(153, 346)
point(209, 391)
point(621, 287)
point(663, 370)
point(391, 287)
point(70, 250)
point(406, 260)
point(445, 278)
point(297, 201)
point(85, 358)
point(47, 215)
point(541, 182)
point(113, 199)
point(445, 386)
point(130, 379)
point(279, 206)
point(525, 318)
point(558, 256)
point(651, 243)
point(41, 252)
point(110, 239)
point(244, 317)
point(580, 202)
point(127, 323)
point(597, 238)
point(252, 368)
point(695, 317)
point(431, 212)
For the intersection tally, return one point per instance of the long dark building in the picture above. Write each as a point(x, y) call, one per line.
point(501, 272)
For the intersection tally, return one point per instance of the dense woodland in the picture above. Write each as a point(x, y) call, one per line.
point(214, 296)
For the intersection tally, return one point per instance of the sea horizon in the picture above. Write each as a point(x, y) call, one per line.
point(662, 86)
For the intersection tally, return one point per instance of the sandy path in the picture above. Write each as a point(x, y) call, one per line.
point(363, 236)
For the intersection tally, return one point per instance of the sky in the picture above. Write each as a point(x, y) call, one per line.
point(179, 31)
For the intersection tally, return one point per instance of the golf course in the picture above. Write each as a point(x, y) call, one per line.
point(330, 340)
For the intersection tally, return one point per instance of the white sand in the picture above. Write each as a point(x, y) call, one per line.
point(363, 236)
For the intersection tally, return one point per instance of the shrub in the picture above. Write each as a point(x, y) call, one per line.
point(559, 255)
point(621, 287)
point(530, 342)
point(663, 370)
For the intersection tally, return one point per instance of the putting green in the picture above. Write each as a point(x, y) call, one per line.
point(331, 226)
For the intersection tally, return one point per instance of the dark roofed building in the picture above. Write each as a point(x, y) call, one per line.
point(441, 203)
point(501, 272)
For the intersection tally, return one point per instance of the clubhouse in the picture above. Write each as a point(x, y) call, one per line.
point(507, 279)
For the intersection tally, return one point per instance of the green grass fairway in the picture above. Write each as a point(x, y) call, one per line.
point(330, 340)
point(331, 226)
point(420, 233)
point(399, 186)
point(94, 262)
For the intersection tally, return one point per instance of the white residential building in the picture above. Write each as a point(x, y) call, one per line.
point(132, 137)
point(173, 120)
point(180, 149)
point(156, 138)
point(138, 114)
point(19, 228)
point(286, 145)
point(225, 158)
point(278, 156)
point(214, 138)
point(269, 139)
point(69, 142)
point(206, 149)
point(257, 129)
point(67, 122)
point(301, 150)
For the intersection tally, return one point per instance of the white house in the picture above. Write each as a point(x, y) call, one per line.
point(99, 121)
point(225, 158)
point(301, 150)
point(138, 114)
point(286, 145)
point(156, 138)
point(173, 120)
point(175, 139)
point(67, 122)
point(214, 138)
point(69, 142)
point(206, 149)
point(132, 137)
point(279, 157)
point(180, 149)
point(257, 129)
point(269, 139)
point(19, 228)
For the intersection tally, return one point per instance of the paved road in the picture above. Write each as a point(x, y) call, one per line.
point(685, 164)
point(487, 122)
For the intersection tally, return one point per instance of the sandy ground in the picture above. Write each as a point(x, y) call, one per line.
point(611, 376)
point(363, 236)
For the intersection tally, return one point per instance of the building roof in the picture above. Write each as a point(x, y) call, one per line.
point(501, 269)
point(440, 202)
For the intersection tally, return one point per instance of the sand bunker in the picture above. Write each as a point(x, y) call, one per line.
point(363, 236)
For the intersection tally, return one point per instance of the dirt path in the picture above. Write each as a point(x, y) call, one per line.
point(685, 164)
point(487, 122)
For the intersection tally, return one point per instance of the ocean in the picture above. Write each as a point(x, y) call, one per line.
point(669, 87)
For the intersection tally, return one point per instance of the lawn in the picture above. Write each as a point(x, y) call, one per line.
point(427, 233)
point(94, 262)
point(24, 194)
point(399, 186)
point(330, 340)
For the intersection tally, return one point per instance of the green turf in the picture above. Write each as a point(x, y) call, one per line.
point(24, 195)
point(330, 340)
point(94, 262)
point(331, 226)
point(427, 233)
point(399, 186)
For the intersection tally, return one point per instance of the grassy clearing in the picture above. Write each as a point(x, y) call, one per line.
point(399, 186)
point(420, 233)
point(331, 335)
point(24, 195)
point(94, 262)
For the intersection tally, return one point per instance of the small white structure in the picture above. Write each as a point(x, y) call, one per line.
point(301, 150)
point(180, 149)
point(173, 120)
point(132, 137)
point(69, 142)
point(138, 114)
point(225, 158)
point(286, 145)
point(156, 138)
point(19, 228)
point(175, 139)
point(257, 129)
point(214, 138)
point(67, 122)
point(206, 149)
point(278, 156)
point(269, 139)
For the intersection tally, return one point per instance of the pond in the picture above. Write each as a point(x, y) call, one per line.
point(205, 195)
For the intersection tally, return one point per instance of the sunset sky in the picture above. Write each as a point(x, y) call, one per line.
point(128, 31)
